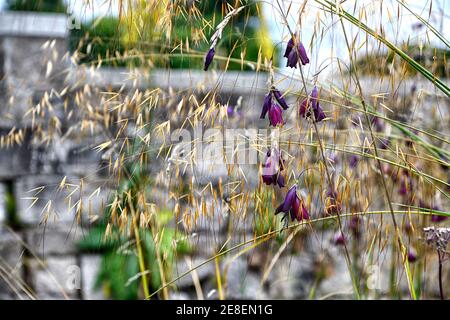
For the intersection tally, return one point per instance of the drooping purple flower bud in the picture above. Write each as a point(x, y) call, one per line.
point(272, 169)
point(355, 225)
point(294, 54)
point(303, 56)
point(408, 226)
point(266, 105)
point(312, 103)
point(378, 124)
point(412, 257)
point(384, 143)
point(280, 99)
point(319, 114)
point(289, 47)
point(303, 108)
point(403, 189)
point(209, 58)
point(436, 217)
point(230, 111)
point(292, 59)
point(293, 206)
point(353, 162)
point(339, 239)
point(275, 115)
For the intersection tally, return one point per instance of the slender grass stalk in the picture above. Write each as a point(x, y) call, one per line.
point(219, 279)
point(398, 235)
point(140, 258)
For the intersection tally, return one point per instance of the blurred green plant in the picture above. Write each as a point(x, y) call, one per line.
point(141, 39)
point(99, 40)
point(37, 5)
point(119, 273)
point(434, 59)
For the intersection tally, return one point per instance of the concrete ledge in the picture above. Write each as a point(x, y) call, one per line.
point(31, 24)
point(181, 80)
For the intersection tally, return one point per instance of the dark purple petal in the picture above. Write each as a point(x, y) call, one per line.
point(339, 239)
point(303, 108)
point(275, 115)
point(305, 213)
point(292, 59)
point(289, 47)
point(403, 190)
point(230, 111)
point(280, 180)
point(319, 115)
point(411, 256)
point(302, 51)
point(290, 196)
point(280, 99)
point(266, 105)
point(209, 58)
point(378, 125)
point(314, 98)
point(354, 159)
point(279, 209)
point(384, 143)
point(438, 218)
point(295, 210)
point(281, 162)
point(268, 179)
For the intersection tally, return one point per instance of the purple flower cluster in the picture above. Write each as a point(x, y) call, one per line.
point(293, 206)
point(311, 103)
point(295, 51)
point(271, 106)
point(272, 169)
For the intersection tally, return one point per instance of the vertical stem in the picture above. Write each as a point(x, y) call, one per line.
point(441, 288)
point(141, 258)
point(219, 279)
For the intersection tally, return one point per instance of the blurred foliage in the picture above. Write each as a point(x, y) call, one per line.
point(37, 5)
point(265, 222)
point(149, 35)
point(434, 59)
point(99, 40)
point(119, 274)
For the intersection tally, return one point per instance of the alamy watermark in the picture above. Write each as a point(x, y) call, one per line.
point(219, 147)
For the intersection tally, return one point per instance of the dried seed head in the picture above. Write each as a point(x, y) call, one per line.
point(438, 238)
